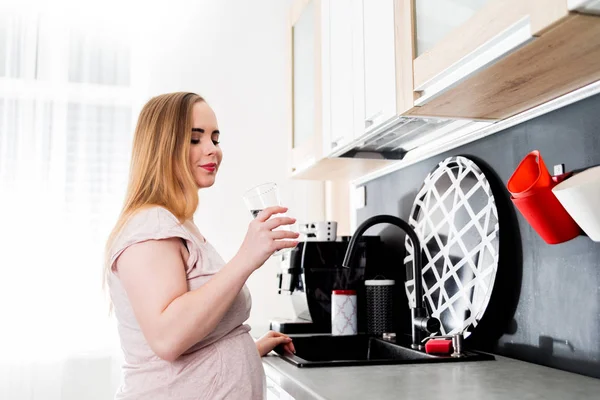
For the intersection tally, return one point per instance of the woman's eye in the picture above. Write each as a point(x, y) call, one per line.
point(195, 141)
point(216, 142)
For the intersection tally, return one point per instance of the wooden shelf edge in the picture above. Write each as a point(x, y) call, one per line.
point(340, 169)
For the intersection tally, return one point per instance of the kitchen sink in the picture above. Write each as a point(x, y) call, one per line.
point(333, 351)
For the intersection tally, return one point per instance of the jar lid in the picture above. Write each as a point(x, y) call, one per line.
point(346, 292)
point(380, 282)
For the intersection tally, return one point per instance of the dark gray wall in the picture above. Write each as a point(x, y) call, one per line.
point(545, 307)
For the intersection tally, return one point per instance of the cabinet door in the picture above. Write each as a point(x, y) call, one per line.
point(275, 392)
point(338, 76)
point(304, 76)
point(306, 83)
point(584, 6)
point(379, 62)
point(455, 39)
point(435, 19)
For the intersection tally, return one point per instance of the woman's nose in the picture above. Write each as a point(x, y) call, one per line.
point(209, 148)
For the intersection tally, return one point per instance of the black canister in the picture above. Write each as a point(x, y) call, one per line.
point(380, 307)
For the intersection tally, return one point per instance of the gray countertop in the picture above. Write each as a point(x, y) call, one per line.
point(502, 379)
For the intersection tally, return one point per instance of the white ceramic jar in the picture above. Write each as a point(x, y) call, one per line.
point(343, 312)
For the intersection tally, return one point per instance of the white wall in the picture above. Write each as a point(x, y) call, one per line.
point(232, 52)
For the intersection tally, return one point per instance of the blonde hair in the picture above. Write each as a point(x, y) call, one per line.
point(160, 174)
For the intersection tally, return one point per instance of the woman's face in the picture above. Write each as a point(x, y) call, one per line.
point(205, 153)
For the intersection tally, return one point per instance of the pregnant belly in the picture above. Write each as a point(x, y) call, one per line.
point(191, 376)
point(243, 375)
point(228, 368)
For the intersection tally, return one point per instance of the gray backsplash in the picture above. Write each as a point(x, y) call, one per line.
point(546, 306)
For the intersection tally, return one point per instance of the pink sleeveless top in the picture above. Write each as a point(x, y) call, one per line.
point(224, 365)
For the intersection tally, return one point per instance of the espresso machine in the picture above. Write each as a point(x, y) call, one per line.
point(311, 270)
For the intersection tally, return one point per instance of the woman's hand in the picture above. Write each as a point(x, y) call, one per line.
point(262, 241)
point(273, 339)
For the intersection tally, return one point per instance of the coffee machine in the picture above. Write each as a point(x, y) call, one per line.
point(311, 270)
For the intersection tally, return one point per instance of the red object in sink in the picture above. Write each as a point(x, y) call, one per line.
point(438, 346)
point(531, 189)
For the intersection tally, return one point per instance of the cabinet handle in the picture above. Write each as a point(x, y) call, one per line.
point(338, 142)
point(273, 390)
point(369, 121)
point(500, 46)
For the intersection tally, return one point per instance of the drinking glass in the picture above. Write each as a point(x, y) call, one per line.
point(261, 197)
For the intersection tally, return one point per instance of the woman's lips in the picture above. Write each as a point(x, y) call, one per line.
point(209, 167)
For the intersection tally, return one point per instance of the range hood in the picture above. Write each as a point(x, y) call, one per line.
point(401, 134)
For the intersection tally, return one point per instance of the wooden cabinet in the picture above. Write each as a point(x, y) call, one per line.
point(500, 57)
point(480, 37)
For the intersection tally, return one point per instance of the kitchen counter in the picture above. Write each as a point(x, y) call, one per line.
point(502, 379)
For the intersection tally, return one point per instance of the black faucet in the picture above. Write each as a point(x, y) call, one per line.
point(421, 323)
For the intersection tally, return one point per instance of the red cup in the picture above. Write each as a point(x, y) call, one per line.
point(531, 189)
point(547, 216)
point(530, 175)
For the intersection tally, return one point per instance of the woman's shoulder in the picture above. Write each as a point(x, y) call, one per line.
point(152, 218)
point(149, 223)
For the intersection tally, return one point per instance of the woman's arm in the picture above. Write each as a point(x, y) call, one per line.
point(172, 318)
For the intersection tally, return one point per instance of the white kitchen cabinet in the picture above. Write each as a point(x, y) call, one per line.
point(304, 76)
point(375, 64)
point(584, 6)
point(305, 83)
point(275, 392)
point(322, 95)
point(338, 67)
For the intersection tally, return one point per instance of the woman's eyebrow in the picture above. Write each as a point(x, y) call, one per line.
point(202, 131)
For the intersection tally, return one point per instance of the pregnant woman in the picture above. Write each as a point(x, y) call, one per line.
point(180, 308)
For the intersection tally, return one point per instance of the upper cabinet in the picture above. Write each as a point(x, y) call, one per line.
point(307, 113)
point(383, 54)
point(375, 63)
point(374, 79)
point(491, 59)
point(584, 6)
point(338, 68)
point(323, 67)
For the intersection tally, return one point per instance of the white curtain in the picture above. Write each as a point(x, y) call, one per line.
point(66, 123)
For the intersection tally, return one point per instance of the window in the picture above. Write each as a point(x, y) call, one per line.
point(66, 126)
